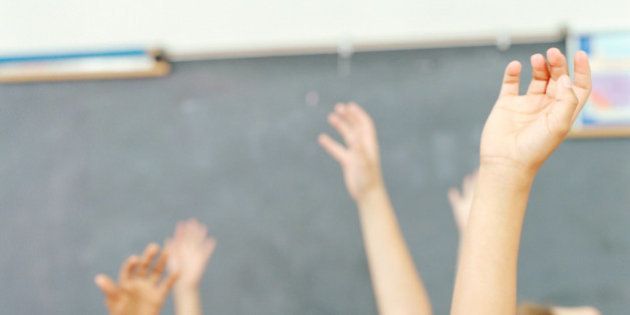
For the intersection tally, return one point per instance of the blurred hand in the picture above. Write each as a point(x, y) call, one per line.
point(359, 158)
point(141, 289)
point(461, 202)
point(189, 249)
point(523, 130)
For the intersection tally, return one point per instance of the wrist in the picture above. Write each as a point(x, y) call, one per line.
point(146, 310)
point(372, 195)
point(187, 288)
point(507, 174)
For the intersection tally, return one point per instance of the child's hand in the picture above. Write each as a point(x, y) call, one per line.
point(359, 159)
point(523, 130)
point(189, 252)
point(461, 202)
point(141, 289)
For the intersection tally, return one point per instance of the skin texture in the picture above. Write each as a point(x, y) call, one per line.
point(520, 134)
point(190, 250)
point(397, 285)
point(142, 288)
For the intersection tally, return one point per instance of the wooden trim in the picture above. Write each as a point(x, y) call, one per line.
point(600, 132)
point(370, 46)
point(161, 68)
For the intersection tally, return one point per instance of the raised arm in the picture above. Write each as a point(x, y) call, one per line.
point(141, 289)
point(190, 250)
point(397, 286)
point(461, 203)
point(520, 134)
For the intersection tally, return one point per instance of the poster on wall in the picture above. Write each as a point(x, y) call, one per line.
point(607, 112)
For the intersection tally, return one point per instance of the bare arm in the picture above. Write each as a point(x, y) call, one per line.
point(190, 249)
point(521, 132)
point(397, 285)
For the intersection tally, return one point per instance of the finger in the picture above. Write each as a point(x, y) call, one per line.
point(150, 252)
point(540, 75)
point(366, 132)
point(189, 228)
point(200, 231)
point(179, 231)
point(582, 75)
point(168, 283)
point(194, 224)
point(186, 229)
point(557, 68)
point(557, 63)
point(127, 269)
point(171, 247)
point(344, 112)
point(353, 115)
point(566, 103)
point(511, 79)
point(454, 197)
point(159, 267)
point(341, 126)
point(469, 184)
point(334, 148)
point(363, 118)
point(107, 285)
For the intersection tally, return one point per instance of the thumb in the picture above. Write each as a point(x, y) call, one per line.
point(107, 285)
point(564, 107)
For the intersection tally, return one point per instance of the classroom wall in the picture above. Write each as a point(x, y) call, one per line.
point(91, 171)
point(188, 27)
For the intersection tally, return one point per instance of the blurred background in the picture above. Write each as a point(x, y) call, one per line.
point(93, 170)
point(235, 27)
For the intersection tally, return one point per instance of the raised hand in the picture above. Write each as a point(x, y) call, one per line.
point(189, 249)
point(520, 134)
point(461, 202)
point(141, 287)
point(397, 286)
point(359, 158)
point(523, 130)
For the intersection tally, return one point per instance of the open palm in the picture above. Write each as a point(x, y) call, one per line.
point(359, 159)
point(523, 130)
point(190, 249)
point(141, 289)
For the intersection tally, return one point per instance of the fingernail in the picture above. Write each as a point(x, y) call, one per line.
point(565, 81)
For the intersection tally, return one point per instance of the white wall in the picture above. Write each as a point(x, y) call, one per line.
point(196, 26)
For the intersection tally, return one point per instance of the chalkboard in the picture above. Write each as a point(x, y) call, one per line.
point(91, 172)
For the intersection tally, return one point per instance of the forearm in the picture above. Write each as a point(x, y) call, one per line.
point(486, 277)
point(187, 301)
point(397, 285)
